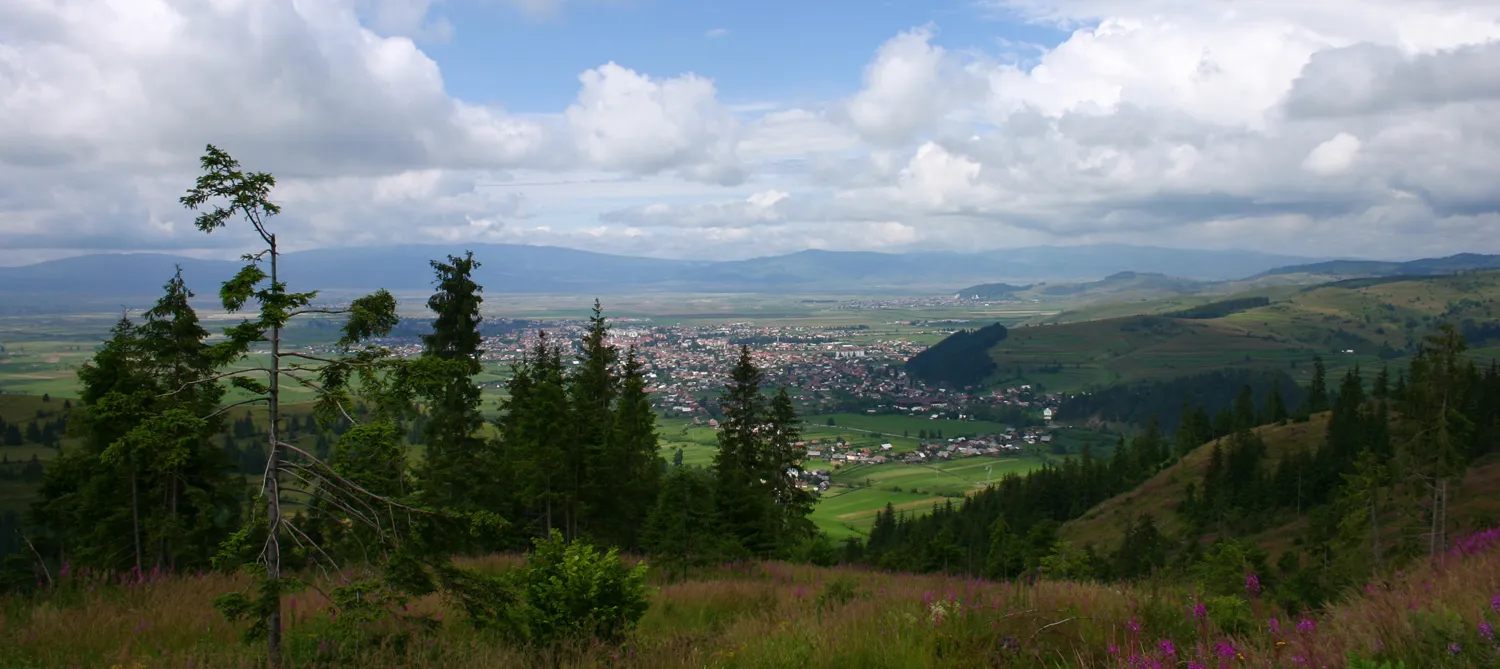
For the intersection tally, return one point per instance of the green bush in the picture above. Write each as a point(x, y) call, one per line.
point(1232, 614)
point(570, 591)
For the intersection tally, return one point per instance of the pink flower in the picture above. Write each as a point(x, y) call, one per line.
point(1307, 626)
point(1133, 625)
point(1224, 649)
point(1252, 584)
point(1274, 625)
point(1168, 649)
point(1454, 649)
point(1200, 611)
point(1487, 631)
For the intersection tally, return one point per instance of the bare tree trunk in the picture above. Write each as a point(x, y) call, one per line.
point(135, 517)
point(1374, 528)
point(273, 489)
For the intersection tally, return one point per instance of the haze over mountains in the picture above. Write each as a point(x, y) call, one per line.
point(509, 268)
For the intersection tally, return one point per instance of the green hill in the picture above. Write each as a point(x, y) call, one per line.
point(1352, 322)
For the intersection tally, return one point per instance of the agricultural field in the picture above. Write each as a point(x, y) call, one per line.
point(860, 490)
point(896, 426)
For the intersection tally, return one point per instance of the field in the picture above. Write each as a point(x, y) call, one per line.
point(765, 615)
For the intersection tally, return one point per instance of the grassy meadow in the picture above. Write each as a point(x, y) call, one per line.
point(778, 615)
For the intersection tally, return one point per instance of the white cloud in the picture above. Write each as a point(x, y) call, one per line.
point(1369, 126)
point(624, 120)
point(716, 33)
point(1332, 156)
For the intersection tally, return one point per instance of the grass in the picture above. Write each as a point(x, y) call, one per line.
point(779, 615)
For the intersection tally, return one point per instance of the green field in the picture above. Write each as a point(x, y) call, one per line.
point(885, 427)
point(860, 490)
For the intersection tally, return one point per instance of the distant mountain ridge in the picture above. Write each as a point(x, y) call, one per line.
point(512, 268)
point(1350, 269)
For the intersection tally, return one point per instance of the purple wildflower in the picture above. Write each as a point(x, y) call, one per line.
point(1252, 584)
point(1196, 665)
point(1495, 603)
point(1487, 631)
point(1168, 649)
point(1133, 625)
point(1307, 626)
point(1113, 649)
point(1454, 649)
point(1200, 611)
point(1224, 649)
point(1274, 625)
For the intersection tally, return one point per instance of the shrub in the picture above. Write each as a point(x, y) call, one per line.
point(570, 591)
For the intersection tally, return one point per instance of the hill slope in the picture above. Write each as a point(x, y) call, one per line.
point(1366, 321)
point(1462, 262)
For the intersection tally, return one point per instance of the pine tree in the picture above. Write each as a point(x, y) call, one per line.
point(1434, 427)
point(790, 504)
point(537, 438)
point(1317, 391)
point(739, 465)
point(1275, 405)
point(592, 388)
point(632, 478)
point(230, 193)
point(454, 472)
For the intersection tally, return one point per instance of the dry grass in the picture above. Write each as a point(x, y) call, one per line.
point(778, 615)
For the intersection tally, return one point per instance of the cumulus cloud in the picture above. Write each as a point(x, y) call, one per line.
point(1273, 124)
point(625, 120)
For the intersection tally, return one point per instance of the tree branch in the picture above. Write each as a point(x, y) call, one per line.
point(215, 377)
point(231, 406)
point(300, 312)
point(40, 562)
point(375, 524)
point(351, 484)
point(304, 356)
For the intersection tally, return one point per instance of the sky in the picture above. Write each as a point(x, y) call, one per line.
point(721, 130)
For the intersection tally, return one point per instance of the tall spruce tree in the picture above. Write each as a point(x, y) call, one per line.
point(790, 504)
point(592, 388)
point(1317, 390)
point(741, 489)
point(455, 472)
point(1434, 427)
point(537, 439)
point(634, 473)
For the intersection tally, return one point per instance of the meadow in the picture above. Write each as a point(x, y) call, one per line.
point(755, 615)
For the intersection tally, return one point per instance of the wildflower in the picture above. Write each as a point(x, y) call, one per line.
point(1200, 611)
point(1133, 625)
point(1196, 665)
point(1252, 584)
point(1307, 626)
point(1168, 649)
point(1274, 625)
point(1113, 649)
point(1495, 603)
point(1224, 649)
point(1454, 649)
point(1487, 631)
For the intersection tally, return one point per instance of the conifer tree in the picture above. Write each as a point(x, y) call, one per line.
point(1434, 427)
point(632, 473)
point(790, 504)
point(1317, 390)
point(592, 389)
point(1275, 405)
point(457, 470)
point(681, 530)
point(229, 193)
point(535, 430)
point(739, 466)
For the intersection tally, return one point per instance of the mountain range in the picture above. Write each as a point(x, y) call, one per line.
point(510, 268)
point(116, 278)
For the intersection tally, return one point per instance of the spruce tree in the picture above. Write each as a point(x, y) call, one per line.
point(1275, 405)
point(631, 472)
point(592, 388)
point(739, 465)
point(680, 532)
point(790, 504)
point(1317, 390)
point(454, 473)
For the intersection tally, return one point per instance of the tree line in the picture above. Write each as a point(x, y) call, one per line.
point(1374, 492)
point(156, 481)
point(961, 359)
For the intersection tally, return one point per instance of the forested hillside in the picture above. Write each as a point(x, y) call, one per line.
point(1374, 488)
point(959, 360)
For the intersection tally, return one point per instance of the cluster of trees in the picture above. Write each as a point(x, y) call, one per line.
point(961, 359)
point(1217, 393)
point(156, 482)
point(1010, 527)
point(47, 429)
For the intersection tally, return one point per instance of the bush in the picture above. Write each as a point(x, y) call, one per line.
point(570, 591)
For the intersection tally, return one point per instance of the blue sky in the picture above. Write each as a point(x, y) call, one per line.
point(772, 51)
